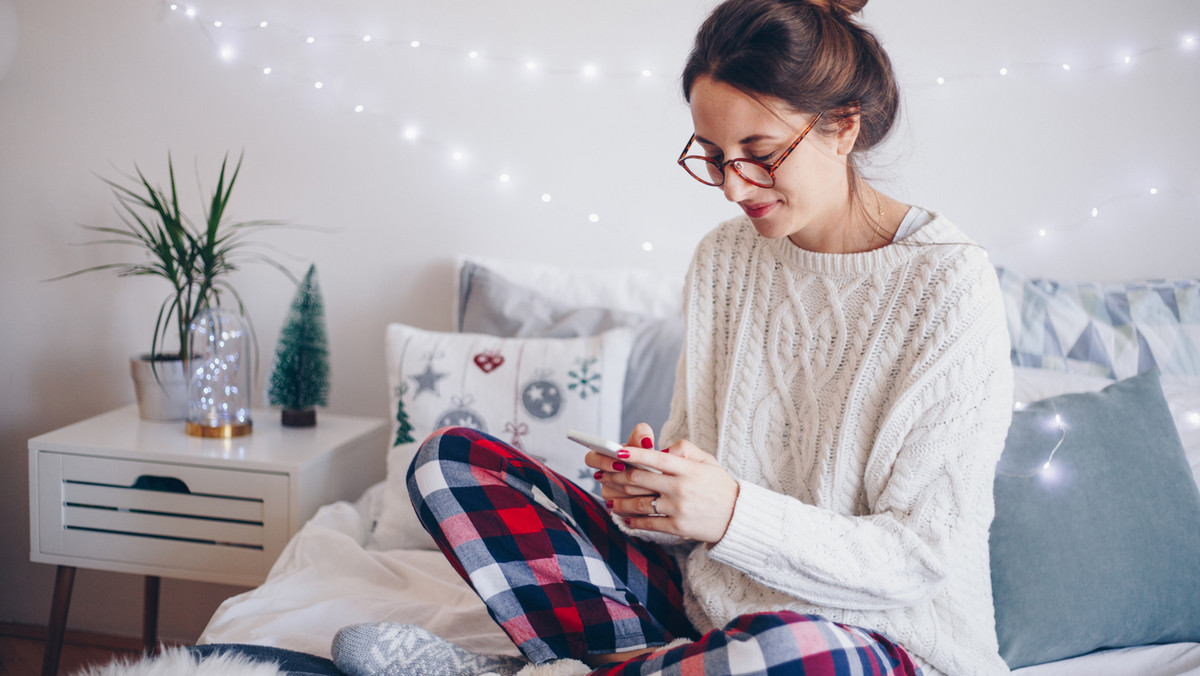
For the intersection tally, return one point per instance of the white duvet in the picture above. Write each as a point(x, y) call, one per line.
point(326, 579)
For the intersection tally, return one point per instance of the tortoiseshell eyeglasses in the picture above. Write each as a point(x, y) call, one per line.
point(711, 172)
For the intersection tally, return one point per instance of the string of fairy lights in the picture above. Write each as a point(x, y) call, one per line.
point(225, 37)
point(1046, 470)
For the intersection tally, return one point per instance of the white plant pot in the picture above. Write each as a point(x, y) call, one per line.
point(164, 397)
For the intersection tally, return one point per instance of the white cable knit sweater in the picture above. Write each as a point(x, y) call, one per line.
point(861, 401)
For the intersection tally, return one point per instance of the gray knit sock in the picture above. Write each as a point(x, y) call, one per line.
point(390, 649)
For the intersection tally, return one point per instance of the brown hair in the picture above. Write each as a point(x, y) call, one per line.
point(810, 54)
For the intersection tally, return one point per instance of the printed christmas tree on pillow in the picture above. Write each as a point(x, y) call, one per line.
point(300, 378)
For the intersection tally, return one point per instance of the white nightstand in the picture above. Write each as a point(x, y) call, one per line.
point(119, 493)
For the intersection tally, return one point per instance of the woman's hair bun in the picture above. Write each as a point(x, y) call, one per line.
point(846, 8)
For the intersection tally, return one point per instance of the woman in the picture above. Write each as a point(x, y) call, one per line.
point(840, 405)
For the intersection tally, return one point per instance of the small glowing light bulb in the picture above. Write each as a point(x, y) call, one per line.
point(941, 80)
point(310, 39)
point(1018, 405)
point(590, 70)
point(191, 12)
point(458, 155)
point(504, 178)
point(318, 84)
point(647, 73)
point(410, 133)
point(647, 246)
point(473, 55)
point(1004, 71)
point(1066, 66)
point(1058, 420)
point(546, 197)
point(358, 109)
point(1193, 418)
point(216, 24)
point(1189, 41)
point(594, 218)
point(1046, 466)
point(267, 70)
point(366, 38)
point(227, 53)
point(1153, 191)
point(1128, 59)
point(174, 7)
point(414, 44)
point(530, 65)
point(1041, 232)
point(263, 24)
point(1095, 212)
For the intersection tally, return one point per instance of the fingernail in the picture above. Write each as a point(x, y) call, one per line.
point(618, 466)
point(608, 504)
point(666, 450)
point(647, 442)
point(628, 521)
point(599, 476)
point(622, 453)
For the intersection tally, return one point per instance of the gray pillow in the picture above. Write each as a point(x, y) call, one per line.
point(1102, 549)
point(489, 303)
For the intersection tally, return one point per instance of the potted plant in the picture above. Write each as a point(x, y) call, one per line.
point(194, 257)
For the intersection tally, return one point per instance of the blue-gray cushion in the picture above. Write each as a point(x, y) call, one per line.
point(489, 303)
point(1102, 548)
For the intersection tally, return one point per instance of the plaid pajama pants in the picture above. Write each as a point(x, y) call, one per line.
point(562, 580)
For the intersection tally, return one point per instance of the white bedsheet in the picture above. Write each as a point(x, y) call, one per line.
point(325, 579)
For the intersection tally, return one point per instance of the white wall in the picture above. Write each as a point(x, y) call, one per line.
point(95, 87)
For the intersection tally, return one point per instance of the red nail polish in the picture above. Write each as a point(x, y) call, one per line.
point(628, 521)
point(666, 450)
point(599, 476)
point(608, 504)
point(622, 453)
point(618, 466)
point(647, 442)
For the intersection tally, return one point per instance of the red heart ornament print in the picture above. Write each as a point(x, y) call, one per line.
point(488, 361)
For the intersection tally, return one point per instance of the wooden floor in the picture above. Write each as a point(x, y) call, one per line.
point(21, 648)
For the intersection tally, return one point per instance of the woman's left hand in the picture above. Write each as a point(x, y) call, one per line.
point(695, 494)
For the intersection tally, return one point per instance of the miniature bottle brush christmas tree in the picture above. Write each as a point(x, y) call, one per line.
point(300, 378)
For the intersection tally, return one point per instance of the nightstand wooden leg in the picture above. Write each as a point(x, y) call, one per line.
point(150, 615)
point(64, 582)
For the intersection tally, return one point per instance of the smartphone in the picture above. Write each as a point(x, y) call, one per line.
point(604, 447)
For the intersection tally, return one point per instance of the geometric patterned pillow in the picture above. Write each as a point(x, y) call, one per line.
point(1108, 329)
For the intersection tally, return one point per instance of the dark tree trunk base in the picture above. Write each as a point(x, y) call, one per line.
point(299, 418)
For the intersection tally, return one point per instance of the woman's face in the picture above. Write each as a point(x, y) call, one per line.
point(810, 200)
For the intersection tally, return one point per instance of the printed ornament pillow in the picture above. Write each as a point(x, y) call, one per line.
point(526, 392)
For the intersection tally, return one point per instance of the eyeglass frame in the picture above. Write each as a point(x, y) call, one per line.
point(770, 169)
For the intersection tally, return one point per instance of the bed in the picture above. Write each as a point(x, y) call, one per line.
point(1097, 537)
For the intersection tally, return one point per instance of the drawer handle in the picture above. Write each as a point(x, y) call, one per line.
point(165, 484)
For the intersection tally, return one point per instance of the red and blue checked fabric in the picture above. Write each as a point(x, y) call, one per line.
point(562, 580)
point(783, 643)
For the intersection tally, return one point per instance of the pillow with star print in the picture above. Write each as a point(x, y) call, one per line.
point(527, 392)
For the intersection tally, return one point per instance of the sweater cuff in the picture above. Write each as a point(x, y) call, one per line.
point(753, 533)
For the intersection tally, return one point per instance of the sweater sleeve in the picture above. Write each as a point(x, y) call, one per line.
point(931, 506)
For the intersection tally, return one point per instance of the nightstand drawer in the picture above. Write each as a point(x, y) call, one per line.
point(178, 520)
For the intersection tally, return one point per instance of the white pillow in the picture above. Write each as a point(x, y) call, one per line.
point(1181, 392)
point(525, 391)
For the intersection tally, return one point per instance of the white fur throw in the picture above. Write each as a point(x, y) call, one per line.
point(180, 662)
